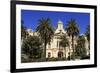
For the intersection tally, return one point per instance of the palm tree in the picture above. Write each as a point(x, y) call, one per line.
point(64, 43)
point(87, 33)
point(72, 30)
point(45, 31)
point(80, 48)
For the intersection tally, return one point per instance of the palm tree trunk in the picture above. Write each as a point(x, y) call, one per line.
point(69, 54)
point(73, 46)
point(45, 44)
point(44, 51)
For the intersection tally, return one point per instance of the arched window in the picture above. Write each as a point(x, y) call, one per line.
point(60, 54)
point(49, 54)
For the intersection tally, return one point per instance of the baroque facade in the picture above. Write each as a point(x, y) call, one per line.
point(53, 49)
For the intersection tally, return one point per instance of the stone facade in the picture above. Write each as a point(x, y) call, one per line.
point(54, 49)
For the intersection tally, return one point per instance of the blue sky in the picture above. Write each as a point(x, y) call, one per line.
point(31, 17)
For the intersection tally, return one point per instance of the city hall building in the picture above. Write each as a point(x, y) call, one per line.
point(53, 49)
